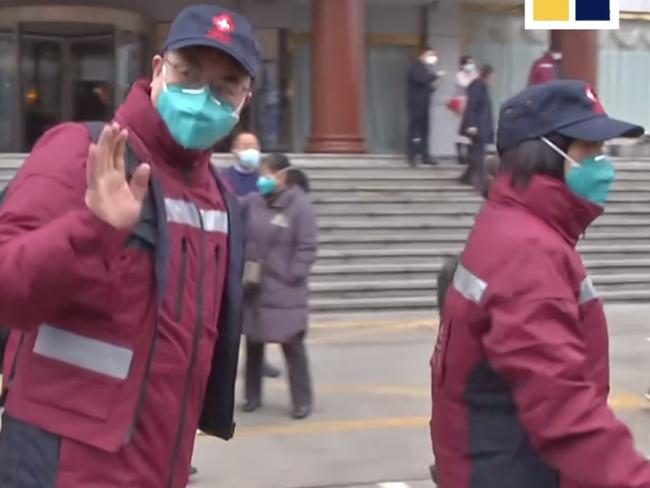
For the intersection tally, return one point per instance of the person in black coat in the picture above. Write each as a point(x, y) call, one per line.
point(478, 125)
point(422, 76)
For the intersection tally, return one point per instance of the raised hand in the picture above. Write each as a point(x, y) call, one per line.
point(109, 195)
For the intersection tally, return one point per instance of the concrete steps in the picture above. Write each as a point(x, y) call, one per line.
point(386, 229)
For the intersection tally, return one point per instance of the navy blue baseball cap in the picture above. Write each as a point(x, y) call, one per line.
point(222, 29)
point(567, 107)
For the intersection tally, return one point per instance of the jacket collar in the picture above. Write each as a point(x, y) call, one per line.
point(285, 198)
point(550, 200)
point(141, 117)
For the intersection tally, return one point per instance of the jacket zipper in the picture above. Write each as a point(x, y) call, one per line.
point(198, 329)
point(181, 284)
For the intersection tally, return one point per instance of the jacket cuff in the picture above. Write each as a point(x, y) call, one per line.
point(98, 236)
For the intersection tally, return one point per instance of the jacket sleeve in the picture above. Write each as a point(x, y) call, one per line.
point(306, 242)
point(473, 109)
point(53, 251)
point(536, 343)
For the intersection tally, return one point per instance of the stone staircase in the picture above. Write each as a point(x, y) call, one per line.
point(386, 229)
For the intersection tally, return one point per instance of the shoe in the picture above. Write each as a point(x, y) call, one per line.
point(270, 371)
point(300, 413)
point(193, 471)
point(250, 407)
point(430, 161)
point(412, 162)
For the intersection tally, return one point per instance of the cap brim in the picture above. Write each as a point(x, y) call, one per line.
point(601, 128)
point(201, 41)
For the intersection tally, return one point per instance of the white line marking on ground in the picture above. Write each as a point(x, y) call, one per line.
point(393, 485)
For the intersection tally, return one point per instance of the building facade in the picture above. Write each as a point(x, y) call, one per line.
point(334, 77)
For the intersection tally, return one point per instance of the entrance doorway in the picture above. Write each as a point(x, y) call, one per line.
point(65, 76)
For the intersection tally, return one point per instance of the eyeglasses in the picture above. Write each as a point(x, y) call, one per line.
point(229, 88)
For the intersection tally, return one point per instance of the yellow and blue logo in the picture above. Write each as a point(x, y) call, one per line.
point(572, 14)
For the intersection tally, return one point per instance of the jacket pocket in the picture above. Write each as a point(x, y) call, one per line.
point(181, 283)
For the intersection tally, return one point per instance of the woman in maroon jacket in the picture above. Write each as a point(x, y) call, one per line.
point(520, 373)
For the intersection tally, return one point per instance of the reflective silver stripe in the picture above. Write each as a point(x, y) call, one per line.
point(587, 291)
point(215, 221)
point(186, 213)
point(469, 285)
point(83, 352)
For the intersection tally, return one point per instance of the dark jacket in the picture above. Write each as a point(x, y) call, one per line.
point(420, 81)
point(283, 236)
point(478, 112)
point(520, 372)
point(119, 334)
point(241, 183)
point(544, 69)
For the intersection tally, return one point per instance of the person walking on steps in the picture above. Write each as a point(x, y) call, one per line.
point(421, 84)
point(520, 371)
point(478, 126)
point(281, 249)
point(126, 319)
point(465, 76)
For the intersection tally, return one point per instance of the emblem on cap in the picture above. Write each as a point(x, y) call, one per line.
point(222, 26)
point(598, 107)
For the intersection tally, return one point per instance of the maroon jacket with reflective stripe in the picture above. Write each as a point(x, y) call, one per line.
point(544, 69)
point(520, 373)
point(119, 372)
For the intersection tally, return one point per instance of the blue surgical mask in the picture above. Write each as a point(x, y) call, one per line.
point(267, 185)
point(195, 119)
point(250, 158)
point(591, 178)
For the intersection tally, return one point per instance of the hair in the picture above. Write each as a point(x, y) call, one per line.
point(465, 60)
point(535, 157)
point(426, 48)
point(237, 135)
point(486, 71)
point(277, 162)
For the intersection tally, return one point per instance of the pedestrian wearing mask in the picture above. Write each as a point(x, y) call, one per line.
point(126, 319)
point(520, 372)
point(243, 174)
point(422, 76)
point(282, 243)
point(478, 126)
point(547, 68)
point(465, 76)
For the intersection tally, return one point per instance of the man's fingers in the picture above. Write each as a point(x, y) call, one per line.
point(92, 167)
point(105, 149)
point(120, 150)
point(140, 182)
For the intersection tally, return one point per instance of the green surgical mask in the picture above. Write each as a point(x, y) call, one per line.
point(195, 119)
point(591, 178)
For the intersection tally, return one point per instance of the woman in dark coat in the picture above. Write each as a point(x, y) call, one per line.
point(478, 125)
point(281, 248)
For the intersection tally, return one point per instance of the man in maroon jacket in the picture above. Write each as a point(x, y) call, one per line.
point(520, 372)
point(122, 283)
point(546, 68)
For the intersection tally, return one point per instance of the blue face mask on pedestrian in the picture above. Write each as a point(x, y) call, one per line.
point(591, 178)
point(194, 117)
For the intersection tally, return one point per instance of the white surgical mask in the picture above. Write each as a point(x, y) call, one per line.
point(431, 60)
point(556, 56)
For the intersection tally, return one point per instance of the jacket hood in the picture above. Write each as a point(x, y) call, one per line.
point(550, 200)
point(140, 115)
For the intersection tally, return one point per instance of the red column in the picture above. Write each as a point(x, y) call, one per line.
point(339, 59)
point(580, 54)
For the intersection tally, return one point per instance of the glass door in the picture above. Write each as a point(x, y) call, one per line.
point(41, 69)
point(92, 72)
point(9, 109)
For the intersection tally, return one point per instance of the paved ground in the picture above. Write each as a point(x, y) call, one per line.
point(370, 424)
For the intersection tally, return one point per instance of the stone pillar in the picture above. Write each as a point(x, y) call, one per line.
point(580, 54)
point(338, 73)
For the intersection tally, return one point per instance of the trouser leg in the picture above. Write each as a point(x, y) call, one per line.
point(300, 386)
point(254, 371)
